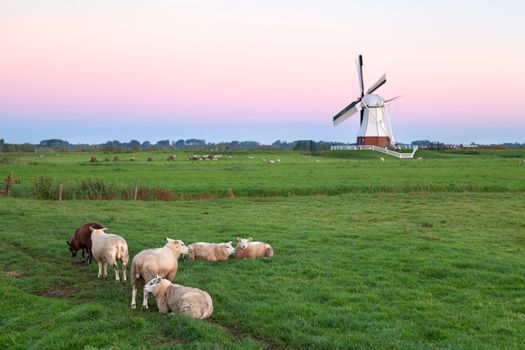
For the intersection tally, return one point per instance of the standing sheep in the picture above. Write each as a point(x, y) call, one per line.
point(246, 249)
point(210, 251)
point(188, 301)
point(109, 248)
point(82, 240)
point(151, 262)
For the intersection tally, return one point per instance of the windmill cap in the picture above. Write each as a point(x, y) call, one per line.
point(372, 100)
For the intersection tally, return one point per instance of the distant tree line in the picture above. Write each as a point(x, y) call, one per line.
point(309, 146)
point(58, 145)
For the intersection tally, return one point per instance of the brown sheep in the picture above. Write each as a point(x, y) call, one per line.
point(82, 240)
point(246, 249)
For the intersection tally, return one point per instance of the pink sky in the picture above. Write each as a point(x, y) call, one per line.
point(287, 64)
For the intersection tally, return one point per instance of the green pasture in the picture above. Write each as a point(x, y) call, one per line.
point(251, 174)
point(368, 254)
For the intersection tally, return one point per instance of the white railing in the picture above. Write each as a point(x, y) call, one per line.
point(377, 149)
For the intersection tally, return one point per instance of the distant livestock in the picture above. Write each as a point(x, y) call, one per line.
point(109, 249)
point(171, 297)
point(210, 251)
point(382, 159)
point(152, 262)
point(246, 249)
point(82, 240)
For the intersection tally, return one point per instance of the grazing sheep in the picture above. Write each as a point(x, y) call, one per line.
point(382, 159)
point(109, 248)
point(210, 251)
point(82, 240)
point(157, 261)
point(246, 249)
point(419, 158)
point(188, 301)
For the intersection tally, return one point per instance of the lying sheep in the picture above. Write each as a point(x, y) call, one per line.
point(109, 248)
point(82, 240)
point(246, 249)
point(171, 297)
point(151, 262)
point(210, 251)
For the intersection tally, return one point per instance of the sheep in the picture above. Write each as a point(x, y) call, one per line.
point(188, 301)
point(82, 240)
point(150, 262)
point(382, 159)
point(419, 158)
point(246, 249)
point(109, 248)
point(210, 251)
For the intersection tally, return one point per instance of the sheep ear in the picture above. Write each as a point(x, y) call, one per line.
point(230, 242)
point(169, 239)
point(91, 229)
point(68, 243)
point(250, 239)
point(238, 239)
point(104, 228)
point(158, 276)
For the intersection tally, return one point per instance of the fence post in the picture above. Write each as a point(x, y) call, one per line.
point(60, 191)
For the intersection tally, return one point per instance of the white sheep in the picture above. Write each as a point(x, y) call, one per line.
point(246, 249)
point(188, 301)
point(382, 159)
point(108, 249)
point(419, 158)
point(210, 251)
point(157, 261)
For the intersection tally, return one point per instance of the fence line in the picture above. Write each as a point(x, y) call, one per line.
point(377, 149)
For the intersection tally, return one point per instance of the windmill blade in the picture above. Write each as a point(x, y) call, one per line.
point(359, 63)
point(346, 113)
point(362, 116)
point(392, 99)
point(376, 86)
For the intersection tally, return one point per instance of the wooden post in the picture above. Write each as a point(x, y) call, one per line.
point(8, 181)
point(35, 187)
point(60, 191)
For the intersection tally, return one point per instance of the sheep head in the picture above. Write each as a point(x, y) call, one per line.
point(152, 285)
point(242, 243)
point(177, 245)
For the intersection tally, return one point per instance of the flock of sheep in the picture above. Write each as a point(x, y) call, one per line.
point(155, 268)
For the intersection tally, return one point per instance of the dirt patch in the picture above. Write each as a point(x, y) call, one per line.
point(59, 291)
point(14, 274)
point(237, 334)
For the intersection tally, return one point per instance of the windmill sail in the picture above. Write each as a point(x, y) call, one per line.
point(346, 113)
point(378, 84)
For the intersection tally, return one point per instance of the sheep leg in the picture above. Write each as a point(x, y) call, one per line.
point(105, 268)
point(133, 296)
point(117, 278)
point(99, 269)
point(83, 257)
point(145, 301)
point(124, 274)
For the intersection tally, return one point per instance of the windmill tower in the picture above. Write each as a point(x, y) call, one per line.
point(374, 123)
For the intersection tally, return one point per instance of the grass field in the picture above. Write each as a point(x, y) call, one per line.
point(402, 254)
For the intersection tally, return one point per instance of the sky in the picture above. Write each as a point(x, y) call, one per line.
point(89, 71)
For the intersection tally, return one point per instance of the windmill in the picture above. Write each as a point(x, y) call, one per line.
point(374, 124)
